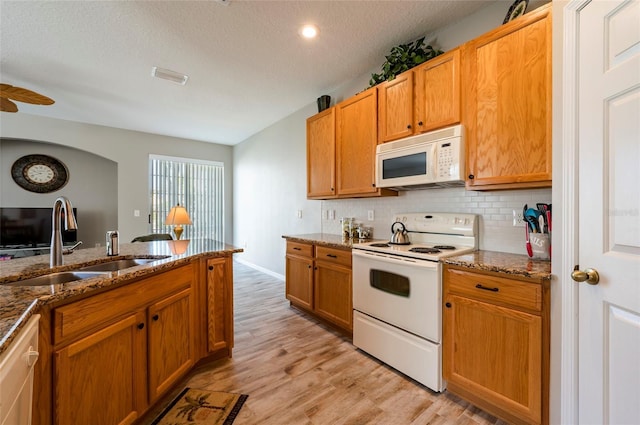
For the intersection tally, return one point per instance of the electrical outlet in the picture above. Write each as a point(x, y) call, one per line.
point(370, 215)
point(324, 214)
point(332, 214)
point(518, 219)
point(299, 213)
point(136, 213)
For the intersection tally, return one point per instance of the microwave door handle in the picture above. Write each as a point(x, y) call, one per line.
point(395, 260)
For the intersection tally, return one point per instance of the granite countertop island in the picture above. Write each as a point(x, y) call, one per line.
point(19, 303)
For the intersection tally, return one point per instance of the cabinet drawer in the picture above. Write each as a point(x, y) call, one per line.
point(495, 289)
point(332, 255)
point(301, 249)
point(81, 317)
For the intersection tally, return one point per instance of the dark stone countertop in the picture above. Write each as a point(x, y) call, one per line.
point(494, 261)
point(19, 303)
point(326, 239)
point(503, 262)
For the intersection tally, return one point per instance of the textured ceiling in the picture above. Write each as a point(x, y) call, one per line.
point(247, 66)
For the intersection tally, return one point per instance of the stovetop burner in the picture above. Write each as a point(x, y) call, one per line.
point(445, 247)
point(424, 250)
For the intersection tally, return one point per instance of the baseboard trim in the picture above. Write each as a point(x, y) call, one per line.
point(260, 269)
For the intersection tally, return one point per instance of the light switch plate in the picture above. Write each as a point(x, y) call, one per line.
point(370, 215)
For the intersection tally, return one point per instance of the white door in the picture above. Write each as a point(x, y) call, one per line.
point(609, 212)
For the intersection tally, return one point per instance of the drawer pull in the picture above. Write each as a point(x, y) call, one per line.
point(332, 256)
point(480, 286)
point(295, 248)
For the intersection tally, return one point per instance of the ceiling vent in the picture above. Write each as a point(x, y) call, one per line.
point(167, 74)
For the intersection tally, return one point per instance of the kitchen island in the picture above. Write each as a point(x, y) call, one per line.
point(136, 331)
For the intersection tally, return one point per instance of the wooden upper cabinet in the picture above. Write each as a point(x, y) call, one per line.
point(437, 92)
point(356, 141)
point(507, 97)
point(321, 170)
point(395, 108)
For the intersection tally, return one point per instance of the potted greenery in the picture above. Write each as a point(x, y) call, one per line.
point(402, 58)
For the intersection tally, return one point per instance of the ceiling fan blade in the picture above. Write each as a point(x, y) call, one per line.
point(24, 95)
point(7, 106)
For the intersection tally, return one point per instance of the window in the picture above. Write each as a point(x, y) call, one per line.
point(197, 185)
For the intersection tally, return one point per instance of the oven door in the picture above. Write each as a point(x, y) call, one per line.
point(403, 292)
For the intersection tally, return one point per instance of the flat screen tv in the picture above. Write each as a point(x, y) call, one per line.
point(30, 228)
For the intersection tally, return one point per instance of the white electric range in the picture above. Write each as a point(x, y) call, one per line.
point(397, 292)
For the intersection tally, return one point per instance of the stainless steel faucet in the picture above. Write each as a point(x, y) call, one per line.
point(64, 205)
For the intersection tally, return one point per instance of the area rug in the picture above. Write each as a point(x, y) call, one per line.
point(202, 407)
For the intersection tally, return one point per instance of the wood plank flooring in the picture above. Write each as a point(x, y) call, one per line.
point(298, 371)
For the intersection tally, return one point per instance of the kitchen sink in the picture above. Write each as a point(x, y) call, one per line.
point(115, 265)
point(57, 278)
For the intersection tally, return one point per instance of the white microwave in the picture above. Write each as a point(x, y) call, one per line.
point(433, 159)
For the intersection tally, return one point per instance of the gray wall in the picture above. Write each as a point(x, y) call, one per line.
point(97, 208)
point(130, 150)
point(270, 177)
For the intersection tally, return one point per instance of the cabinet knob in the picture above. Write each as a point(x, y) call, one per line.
point(471, 176)
point(309, 266)
point(448, 305)
point(210, 267)
point(155, 317)
point(420, 123)
point(409, 127)
point(140, 325)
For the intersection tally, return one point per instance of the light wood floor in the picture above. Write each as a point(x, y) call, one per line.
point(297, 371)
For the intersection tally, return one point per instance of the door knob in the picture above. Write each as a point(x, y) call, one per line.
point(590, 276)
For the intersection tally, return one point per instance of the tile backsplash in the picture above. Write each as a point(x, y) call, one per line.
point(495, 209)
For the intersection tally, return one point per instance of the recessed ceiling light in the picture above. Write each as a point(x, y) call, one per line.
point(309, 31)
point(167, 74)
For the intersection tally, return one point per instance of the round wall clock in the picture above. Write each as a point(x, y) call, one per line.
point(39, 173)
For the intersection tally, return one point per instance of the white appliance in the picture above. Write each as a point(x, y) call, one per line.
point(16, 375)
point(397, 293)
point(433, 159)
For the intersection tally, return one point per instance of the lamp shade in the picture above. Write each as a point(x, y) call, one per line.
point(177, 217)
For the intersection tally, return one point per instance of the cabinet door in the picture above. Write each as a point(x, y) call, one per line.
point(395, 108)
point(438, 92)
point(299, 281)
point(220, 304)
point(101, 379)
point(356, 141)
point(170, 341)
point(333, 294)
point(493, 357)
point(321, 154)
point(508, 113)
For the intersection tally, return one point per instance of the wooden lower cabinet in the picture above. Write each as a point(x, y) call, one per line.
point(332, 293)
point(219, 301)
point(496, 343)
point(170, 349)
point(100, 379)
point(106, 359)
point(318, 279)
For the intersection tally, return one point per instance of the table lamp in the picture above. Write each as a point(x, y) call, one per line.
point(177, 217)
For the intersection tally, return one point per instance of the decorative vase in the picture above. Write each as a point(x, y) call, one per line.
point(323, 102)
